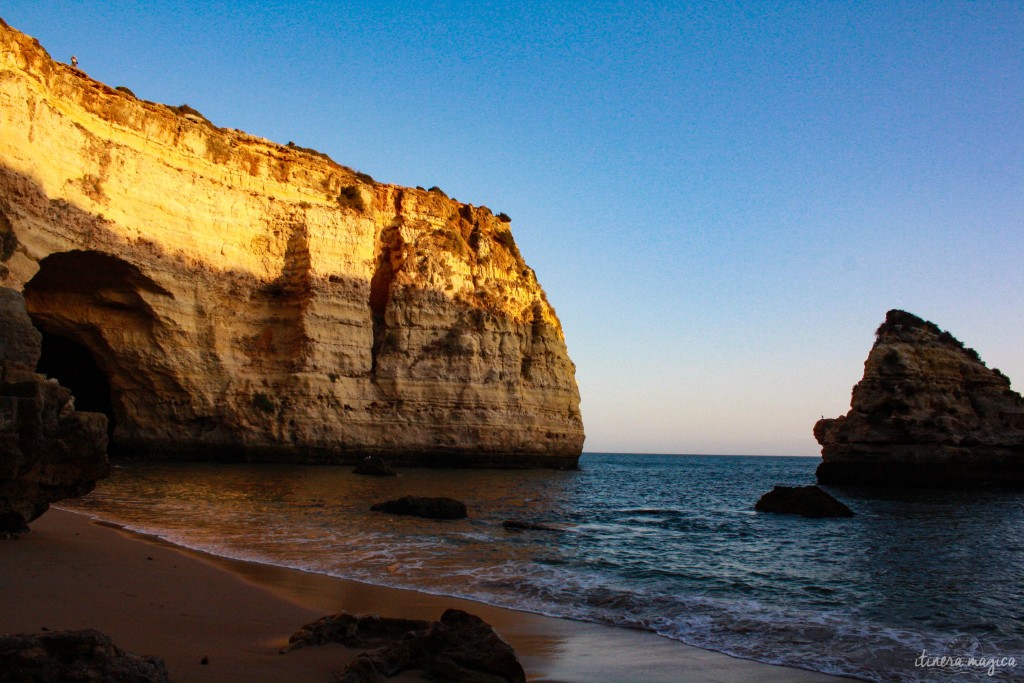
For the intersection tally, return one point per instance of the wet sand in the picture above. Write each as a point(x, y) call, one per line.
point(152, 597)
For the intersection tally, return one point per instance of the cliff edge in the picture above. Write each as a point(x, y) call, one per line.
point(232, 298)
point(927, 413)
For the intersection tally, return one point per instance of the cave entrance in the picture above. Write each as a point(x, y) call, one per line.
point(95, 313)
point(73, 365)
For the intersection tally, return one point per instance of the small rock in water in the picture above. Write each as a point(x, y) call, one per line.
point(431, 508)
point(373, 466)
point(808, 501)
point(526, 525)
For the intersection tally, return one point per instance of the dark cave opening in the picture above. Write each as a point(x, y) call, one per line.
point(73, 365)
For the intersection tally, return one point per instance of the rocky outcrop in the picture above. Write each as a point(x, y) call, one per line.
point(806, 501)
point(75, 656)
point(417, 506)
point(928, 413)
point(459, 647)
point(48, 451)
point(248, 300)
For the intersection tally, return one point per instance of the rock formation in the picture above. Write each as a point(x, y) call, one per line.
point(458, 647)
point(928, 413)
point(239, 299)
point(353, 630)
point(806, 501)
point(75, 656)
point(48, 451)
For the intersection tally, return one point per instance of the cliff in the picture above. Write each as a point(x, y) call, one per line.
point(927, 413)
point(236, 298)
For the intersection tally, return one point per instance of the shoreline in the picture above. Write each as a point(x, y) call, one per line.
point(153, 597)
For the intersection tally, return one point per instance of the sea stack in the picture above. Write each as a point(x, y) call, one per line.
point(237, 299)
point(928, 413)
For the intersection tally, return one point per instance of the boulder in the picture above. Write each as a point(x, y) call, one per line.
point(374, 466)
point(48, 451)
point(353, 630)
point(459, 647)
point(928, 413)
point(807, 501)
point(74, 656)
point(431, 508)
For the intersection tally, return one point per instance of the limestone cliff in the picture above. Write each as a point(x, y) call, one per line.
point(928, 413)
point(250, 300)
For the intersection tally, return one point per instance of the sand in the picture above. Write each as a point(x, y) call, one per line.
point(151, 597)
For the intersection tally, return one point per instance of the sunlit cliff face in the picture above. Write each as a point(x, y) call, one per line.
point(251, 300)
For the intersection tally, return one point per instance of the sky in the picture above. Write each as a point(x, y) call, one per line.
point(721, 199)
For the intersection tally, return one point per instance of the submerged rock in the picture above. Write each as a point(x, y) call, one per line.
point(807, 501)
point(374, 466)
point(527, 525)
point(431, 508)
point(75, 656)
point(927, 413)
point(48, 451)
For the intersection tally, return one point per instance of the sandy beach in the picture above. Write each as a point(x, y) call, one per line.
point(154, 598)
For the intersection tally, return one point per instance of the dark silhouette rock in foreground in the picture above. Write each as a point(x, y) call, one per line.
point(48, 451)
point(352, 630)
point(459, 647)
point(431, 508)
point(807, 501)
point(928, 413)
point(74, 656)
point(527, 525)
point(373, 466)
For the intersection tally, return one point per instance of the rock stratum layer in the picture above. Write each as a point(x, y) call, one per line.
point(928, 413)
point(250, 300)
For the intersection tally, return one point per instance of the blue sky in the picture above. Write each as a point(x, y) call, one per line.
point(722, 200)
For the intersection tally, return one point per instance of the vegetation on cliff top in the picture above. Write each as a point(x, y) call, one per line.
point(898, 322)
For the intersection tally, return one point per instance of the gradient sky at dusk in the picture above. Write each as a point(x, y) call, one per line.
point(722, 200)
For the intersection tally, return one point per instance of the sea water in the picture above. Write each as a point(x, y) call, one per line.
point(916, 587)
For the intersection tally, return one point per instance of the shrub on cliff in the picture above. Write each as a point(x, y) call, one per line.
point(351, 196)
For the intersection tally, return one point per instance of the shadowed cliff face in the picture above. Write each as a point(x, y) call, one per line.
point(248, 300)
point(927, 413)
point(48, 450)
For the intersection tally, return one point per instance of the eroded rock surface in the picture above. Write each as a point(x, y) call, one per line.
point(74, 656)
point(927, 413)
point(48, 451)
point(257, 301)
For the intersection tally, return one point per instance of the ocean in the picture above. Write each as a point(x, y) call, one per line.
point(670, 544)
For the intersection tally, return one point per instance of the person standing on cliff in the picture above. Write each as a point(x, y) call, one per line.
point(74, 61)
